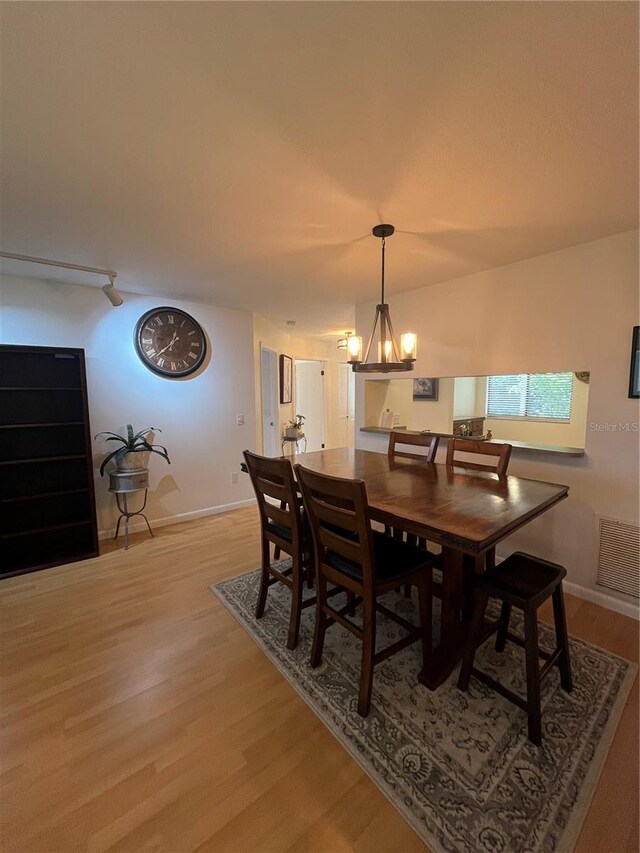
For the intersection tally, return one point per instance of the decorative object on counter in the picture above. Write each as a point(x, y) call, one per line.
point(425, 388)
point(489, 435)
point(286, 384)
point(468, 427)
point(634, 372)
point(583, 376)
point(134, 453)
point(386, 419)
point(295, 428)
point(390, 357)
point(170, 342)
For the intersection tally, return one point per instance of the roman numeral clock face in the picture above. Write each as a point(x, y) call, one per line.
point(170, 342)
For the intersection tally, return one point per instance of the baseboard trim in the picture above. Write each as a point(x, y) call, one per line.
point(626, 608)
point(138, 524)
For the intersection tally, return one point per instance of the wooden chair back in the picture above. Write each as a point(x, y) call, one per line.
point(502, 453)
point(273, 480)
point(414, 440)
point(338, 513)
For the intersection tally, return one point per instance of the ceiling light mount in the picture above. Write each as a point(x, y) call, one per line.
point(343, 343)
point(390, 356)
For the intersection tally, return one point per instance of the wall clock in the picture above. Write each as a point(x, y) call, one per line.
point(170, 342)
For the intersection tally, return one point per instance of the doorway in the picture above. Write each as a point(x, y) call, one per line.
point(310, 401)
point(346, 407)
point(269, 385)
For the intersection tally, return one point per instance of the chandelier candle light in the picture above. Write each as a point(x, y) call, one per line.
point(389, 356)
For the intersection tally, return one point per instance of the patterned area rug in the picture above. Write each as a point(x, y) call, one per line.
point(458, 766)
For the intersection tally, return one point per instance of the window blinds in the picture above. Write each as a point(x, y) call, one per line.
point(530, 395)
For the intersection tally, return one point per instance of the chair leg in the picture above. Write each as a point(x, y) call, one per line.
point(264, 580)
point(351, 601)
point(481, 600)
point(503, 626)
point(533, 675)
point(425, 604)
point(321, 620)
point(368, 651)
point(562, 641)
point(296, 605)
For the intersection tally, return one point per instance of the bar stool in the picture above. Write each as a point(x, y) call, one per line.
point(524, 582)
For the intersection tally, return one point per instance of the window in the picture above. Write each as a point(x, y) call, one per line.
point(530, 395)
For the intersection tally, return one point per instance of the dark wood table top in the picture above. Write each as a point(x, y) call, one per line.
point(467, 510)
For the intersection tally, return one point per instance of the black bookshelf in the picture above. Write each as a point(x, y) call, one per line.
point(47, 500)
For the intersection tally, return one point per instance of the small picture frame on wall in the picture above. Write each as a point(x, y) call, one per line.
point(425, 388)
point(634, 372)
point(286, 372)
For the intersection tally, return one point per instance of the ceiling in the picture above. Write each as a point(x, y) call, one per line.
point(239, 153)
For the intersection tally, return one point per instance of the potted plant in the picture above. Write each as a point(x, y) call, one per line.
point(133, 454)
point(295, 427)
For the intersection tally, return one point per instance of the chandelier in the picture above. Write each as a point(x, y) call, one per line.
point(390, 358)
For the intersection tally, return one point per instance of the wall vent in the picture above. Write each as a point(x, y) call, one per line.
point(619, 556)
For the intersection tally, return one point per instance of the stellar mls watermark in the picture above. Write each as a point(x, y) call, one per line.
point(620, 426)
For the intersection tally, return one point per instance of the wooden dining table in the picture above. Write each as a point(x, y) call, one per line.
point(466, 512)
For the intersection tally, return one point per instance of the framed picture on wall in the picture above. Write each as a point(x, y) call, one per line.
point(286, 372)
point(425, 388)
point(634, 372)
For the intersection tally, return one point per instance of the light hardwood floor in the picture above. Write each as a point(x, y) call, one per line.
point(138, 716)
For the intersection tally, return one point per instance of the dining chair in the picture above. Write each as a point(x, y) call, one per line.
point(282, 524)
point(407, 439)
point(350, 554)
point(502, 452)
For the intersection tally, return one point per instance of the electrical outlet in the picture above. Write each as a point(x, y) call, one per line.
point(240, 420)
point(234, 478)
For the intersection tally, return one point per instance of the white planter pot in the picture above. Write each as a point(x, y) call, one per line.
point(292, 432)
point(134, 461)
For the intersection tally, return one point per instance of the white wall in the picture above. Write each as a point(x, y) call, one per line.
point(573, 309)
point(197, 415)
point(464, 396)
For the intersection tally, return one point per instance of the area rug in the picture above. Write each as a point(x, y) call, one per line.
point(458, 766)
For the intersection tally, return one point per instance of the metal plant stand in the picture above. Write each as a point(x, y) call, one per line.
point(294, 441)
point(123, 484)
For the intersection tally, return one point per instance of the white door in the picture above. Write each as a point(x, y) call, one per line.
point(309, 401)
point(269, 380)
point(346, 406)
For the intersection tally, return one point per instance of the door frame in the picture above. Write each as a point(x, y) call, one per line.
point(269, 389)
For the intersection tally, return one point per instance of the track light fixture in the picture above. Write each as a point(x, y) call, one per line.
point(111, 293)
point(109, 289)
